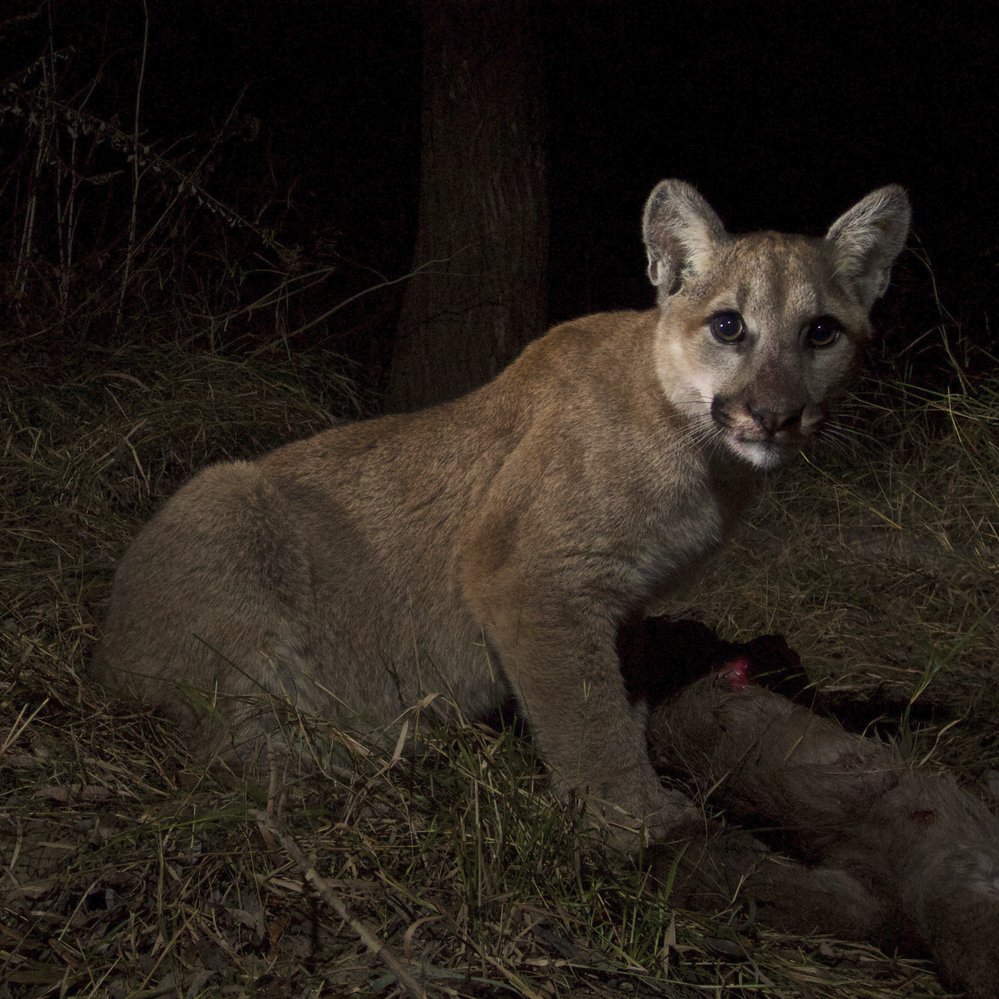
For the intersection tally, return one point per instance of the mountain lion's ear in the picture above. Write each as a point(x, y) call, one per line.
point(681, 231)
point(867, 239)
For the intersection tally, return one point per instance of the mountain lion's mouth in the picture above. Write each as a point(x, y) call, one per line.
point(764, 451)
point(762, 438)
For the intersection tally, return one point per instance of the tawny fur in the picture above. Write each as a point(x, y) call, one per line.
point(904, 853)
point(497, 542)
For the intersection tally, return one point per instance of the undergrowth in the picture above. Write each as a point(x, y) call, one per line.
point(130, 870)
point(878, 560)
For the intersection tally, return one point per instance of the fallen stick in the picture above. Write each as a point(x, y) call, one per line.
point(924, 852)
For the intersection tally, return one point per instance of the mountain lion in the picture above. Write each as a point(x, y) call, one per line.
point(499, 542)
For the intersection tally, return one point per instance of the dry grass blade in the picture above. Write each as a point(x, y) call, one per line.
point(333, 899)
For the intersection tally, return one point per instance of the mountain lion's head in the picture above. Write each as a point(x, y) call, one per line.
point(758, 332)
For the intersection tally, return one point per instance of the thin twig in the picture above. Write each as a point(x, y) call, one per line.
point(387, 283)
point(332, 898)
point(136, 172)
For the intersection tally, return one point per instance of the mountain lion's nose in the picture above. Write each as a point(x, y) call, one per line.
point(772, 421)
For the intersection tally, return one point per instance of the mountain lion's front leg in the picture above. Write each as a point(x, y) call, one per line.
point(561, 662)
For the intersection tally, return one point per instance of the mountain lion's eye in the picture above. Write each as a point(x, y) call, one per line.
point(727, 327)
point(823, 332)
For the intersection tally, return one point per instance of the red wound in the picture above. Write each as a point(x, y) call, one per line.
point(737, 674)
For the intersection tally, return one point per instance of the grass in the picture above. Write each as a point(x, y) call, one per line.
point(130, 870)
point(879, 564)
point(127, 869)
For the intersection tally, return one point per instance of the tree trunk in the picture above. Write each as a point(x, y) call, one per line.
point(479, 293)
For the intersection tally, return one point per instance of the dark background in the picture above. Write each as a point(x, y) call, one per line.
point(782, 113)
